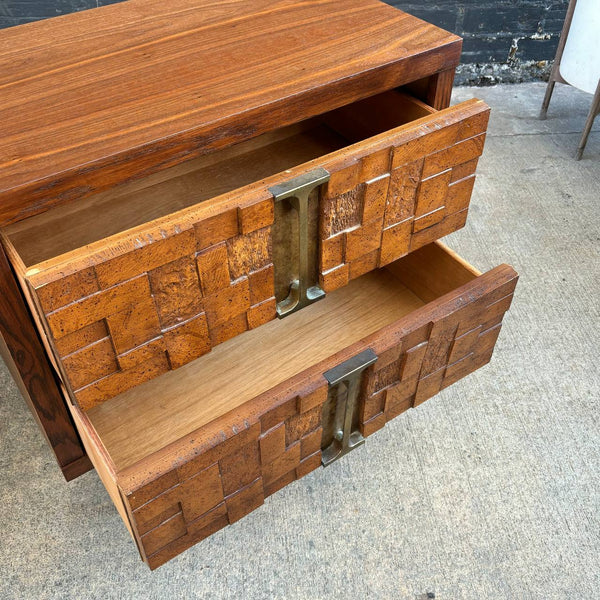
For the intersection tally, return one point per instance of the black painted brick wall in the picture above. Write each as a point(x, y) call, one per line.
point(497, 31)
point(494, 31)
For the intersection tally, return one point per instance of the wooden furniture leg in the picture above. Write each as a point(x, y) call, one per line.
point(555, 73)
point(555, 76)
point(22, 350)
point(594, 112)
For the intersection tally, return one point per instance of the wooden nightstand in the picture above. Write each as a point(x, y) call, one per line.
point(219, 224)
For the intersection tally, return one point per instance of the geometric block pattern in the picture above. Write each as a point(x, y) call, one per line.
point(384, 205)
point(431, 357)
point(242, 465)
point(133, 317)
point(230, 479)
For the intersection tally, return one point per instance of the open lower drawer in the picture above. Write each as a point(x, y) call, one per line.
point(131, 283)
point(193, 450)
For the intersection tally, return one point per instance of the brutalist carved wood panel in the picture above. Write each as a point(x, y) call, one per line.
point(271, 447)
point(386, 204)
point(432, 356)
point(115, 327)
point(231, 478)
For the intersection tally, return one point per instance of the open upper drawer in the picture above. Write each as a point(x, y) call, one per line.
point(193, 450)
point(144, 278)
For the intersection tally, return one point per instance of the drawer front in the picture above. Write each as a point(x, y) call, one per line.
point(384, 204)
point(219, 474)
point(131, 307)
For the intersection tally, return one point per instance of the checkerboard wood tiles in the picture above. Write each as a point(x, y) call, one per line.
point(231, 478)
point(388, 203)
point(432, 356)
point(115, 327)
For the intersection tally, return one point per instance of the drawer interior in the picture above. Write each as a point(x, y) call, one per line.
point(149, 417)
point(72, 226)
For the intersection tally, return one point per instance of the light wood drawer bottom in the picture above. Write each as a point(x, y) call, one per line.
point(195, 449)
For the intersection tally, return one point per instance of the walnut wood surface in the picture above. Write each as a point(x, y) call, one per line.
point(122, 91)
point(439, 89)
point(21, 349)
point(128, 308)
point(215, 475)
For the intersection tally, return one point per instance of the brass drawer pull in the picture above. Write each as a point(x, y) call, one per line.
point(304, 290)
point(340, 411)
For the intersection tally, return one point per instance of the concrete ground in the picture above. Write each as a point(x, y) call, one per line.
point(489, 490)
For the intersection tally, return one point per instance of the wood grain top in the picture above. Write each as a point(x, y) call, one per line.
point(100, 97)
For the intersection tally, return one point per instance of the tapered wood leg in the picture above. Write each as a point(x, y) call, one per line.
point(22, 350)
point(555, 74)
point(547, 98)
point(594, 111)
